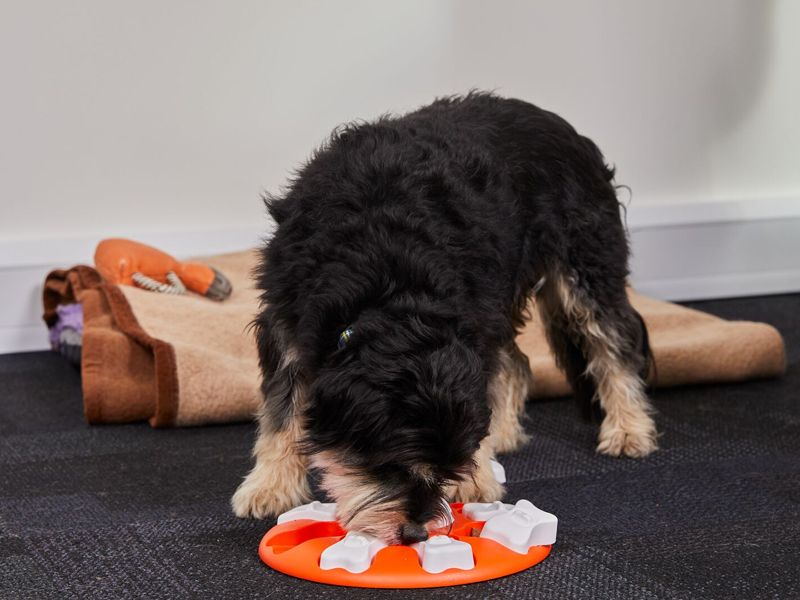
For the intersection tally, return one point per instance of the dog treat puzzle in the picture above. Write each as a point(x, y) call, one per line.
point(475, 542)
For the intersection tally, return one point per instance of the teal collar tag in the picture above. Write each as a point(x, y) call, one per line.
point(344, 337)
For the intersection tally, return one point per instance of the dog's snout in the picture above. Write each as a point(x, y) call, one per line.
point(410, 533)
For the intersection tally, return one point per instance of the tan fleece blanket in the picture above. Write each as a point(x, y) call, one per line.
point(186, 360)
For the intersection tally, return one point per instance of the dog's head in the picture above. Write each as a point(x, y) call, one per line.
point(394, 418)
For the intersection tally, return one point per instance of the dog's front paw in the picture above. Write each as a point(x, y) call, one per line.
point(472, 491)
point(262, 495)
point(511, 441)
point(635, 438)
point(480, 487)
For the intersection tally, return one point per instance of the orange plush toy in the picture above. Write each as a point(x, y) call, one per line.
point(131, 263)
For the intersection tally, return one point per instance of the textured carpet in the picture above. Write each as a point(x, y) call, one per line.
point(132, 512)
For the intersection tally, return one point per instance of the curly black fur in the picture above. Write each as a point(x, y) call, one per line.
point(425, 234)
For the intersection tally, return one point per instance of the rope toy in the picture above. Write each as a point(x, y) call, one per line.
point(174, 284)
point(127, 262)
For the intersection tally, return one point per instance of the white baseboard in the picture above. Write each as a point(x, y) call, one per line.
point(25, 263)
point(23, 338)
point(680, 252)
point(716, 249)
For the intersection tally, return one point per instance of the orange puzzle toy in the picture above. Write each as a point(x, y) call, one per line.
point(477, 542)
point(127, 262)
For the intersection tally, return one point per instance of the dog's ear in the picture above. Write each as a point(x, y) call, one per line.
point(453, 369)
point(281, 389)
point(281, 381)
point(453, 404)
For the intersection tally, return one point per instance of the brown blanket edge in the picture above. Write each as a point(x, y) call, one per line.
point(63, 286)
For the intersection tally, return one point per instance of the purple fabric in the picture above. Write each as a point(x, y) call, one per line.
point(70, 316)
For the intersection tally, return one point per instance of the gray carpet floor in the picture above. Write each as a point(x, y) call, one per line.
point(131, 512)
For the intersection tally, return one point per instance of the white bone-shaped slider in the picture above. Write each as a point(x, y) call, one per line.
point(520, 527)
point(440, 553)
point(317, 511)
point(498, 471)
point(483, 511)
point(354, 553)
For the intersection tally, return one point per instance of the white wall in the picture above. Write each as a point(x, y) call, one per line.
point(165, 120)
point(759, 154)
point(177, 114)
point(171, 115)
point(657, 83)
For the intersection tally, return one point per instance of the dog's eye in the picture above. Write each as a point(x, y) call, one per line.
point(345, 337)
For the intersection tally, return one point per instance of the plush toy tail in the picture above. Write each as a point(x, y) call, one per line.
point(220, 288)
point(127, 262)
point(205, 280)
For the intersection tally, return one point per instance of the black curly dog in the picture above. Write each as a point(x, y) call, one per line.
point(405, 255)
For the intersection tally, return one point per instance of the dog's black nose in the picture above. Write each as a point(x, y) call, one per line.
point(410, 533)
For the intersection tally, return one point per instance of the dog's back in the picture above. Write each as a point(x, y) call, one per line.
point(479, 195)
point(421, 205)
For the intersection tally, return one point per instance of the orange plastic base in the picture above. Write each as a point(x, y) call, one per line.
point(294, 548)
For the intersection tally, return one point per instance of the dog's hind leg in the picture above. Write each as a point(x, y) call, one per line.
point(278, 481)
point(601, 343)
point(508, 391)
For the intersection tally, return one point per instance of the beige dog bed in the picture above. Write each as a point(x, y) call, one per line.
point(185, 360)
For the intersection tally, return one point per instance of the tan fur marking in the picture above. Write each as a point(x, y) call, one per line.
point(289, 357)
point(278, 480)
point(424, 472)
point(358, 504)
point(582, 317)
point(508, 391)
point(627, 427)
